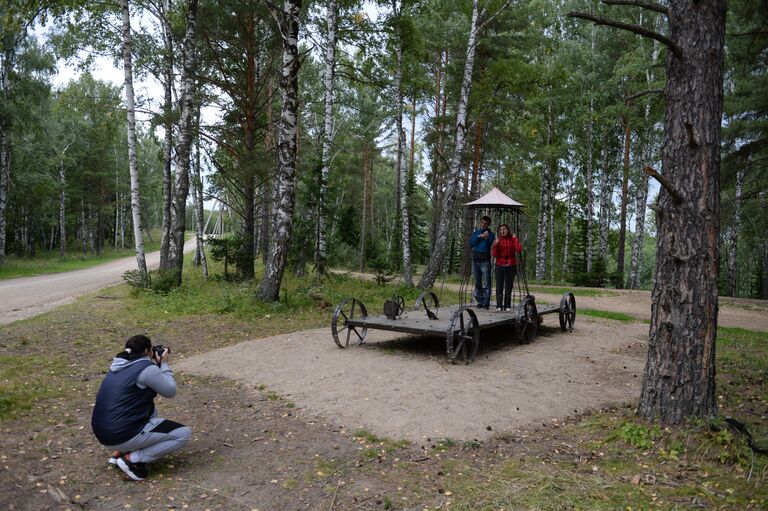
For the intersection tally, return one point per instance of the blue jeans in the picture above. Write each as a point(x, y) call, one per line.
point(482, 271)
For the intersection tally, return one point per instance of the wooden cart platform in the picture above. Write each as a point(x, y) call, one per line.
point(461, 325)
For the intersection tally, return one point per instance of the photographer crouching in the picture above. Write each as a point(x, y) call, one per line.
point(124, 417)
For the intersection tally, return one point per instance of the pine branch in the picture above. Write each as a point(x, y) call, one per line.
point(643, 93)
point(651, 6)
point(663, 181)
point(629, 27)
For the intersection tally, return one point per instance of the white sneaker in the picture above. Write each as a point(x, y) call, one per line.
point(508, 309)
point(498, 309)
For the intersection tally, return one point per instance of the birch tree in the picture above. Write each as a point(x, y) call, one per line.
point(401, 169)
point(183, 149)
point(164, 13)
point(441, 237)
point(131, 132)
point(287, 19)
point(329, 74)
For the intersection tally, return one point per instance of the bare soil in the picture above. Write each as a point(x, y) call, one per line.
point(403, 387)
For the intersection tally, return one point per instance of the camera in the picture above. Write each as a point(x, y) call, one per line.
point(159, 349)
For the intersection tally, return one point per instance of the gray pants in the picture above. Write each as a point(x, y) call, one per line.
point(158, 438)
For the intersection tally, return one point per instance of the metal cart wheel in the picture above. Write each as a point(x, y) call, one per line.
point(567, 312)
point(430, 302)
point(400, 301)
point(463, 339)
point(529, 319)
point(348, 309)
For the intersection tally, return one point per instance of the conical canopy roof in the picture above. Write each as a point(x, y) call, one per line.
point(494, 199)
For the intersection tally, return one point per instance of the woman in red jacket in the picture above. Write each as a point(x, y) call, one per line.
point(505, 246)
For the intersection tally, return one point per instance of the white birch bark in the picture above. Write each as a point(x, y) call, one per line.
point(568, 221)
point(636, 262)
point(733, 236)
point(604, 218)
point(328, 83)
point(6, 62)
point(287, 17)
point(197, 196)
point(441, 237)
point(62, 204)
point(131, 127)
point(402, 170)
point(183, 149)
point(165, 230)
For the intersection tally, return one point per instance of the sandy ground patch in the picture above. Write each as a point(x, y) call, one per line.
point(403, 387)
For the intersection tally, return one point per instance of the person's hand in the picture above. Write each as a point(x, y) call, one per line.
point(496, 241)
point(164, 357)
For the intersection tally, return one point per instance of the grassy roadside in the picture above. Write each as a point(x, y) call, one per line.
point(50, 367)
point(48, 262)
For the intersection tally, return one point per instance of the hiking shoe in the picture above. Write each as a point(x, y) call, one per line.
point(136, 471)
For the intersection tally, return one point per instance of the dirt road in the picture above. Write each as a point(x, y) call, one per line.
point(25, 297)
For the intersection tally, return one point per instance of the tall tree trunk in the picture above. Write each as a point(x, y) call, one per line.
point(606, 205)
point(266, 188)
point(197, 195)
point(647, 149)
point(636, 263)
point(6, 64)
point(288, 22)
point(624, 202)
point(435, 261)
point(328, 83)
point(590, 166)
point(679, 377)
point(62, 211)
point(568, 221)
point(133, 165)
point(733, 236)
point(364, 221)
point(245, 260)
point(764, 284)
point(165, 230)
point(183, 149)
point(402, 171)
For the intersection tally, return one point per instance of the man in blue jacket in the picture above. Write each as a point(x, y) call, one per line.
point(481, 242)
point(124, 417)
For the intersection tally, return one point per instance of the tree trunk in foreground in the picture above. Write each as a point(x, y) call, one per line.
point(288, 21)
point(441, 236)
point(133, 165)
point(183, 150)
point(679, 378)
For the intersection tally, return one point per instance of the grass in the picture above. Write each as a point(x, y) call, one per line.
point(577, 291)
point(616, 316)
point(50, 262)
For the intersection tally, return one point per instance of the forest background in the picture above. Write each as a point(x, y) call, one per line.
point(563, 116)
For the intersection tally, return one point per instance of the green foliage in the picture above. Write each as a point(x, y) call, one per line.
point(638, 436)
point(23, 382)
point(617, 316)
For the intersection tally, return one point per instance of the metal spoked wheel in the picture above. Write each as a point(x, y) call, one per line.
point(430, 302)
point(341, 330)
point(567, 312)
point(400, 301)
point(463, 339)
point(529, 320)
